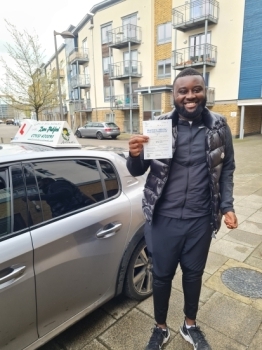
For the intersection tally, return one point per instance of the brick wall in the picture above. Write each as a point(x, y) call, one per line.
point(163, 14)
point(253, 117)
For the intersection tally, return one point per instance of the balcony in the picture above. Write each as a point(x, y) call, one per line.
point(119, 37)
point(82, 105)
point(210, 92)
point(193, 14)
point(123, 101)
point(54, 73)
point(194, 56)
point(81, 80)
point(52, 112)
point(79, 55)
point(125, 69)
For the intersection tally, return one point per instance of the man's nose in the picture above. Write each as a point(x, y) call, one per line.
point(190, 94)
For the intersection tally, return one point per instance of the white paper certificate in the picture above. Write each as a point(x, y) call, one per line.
point(159, 145)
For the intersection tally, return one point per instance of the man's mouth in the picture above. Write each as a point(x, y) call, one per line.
point(190, 105)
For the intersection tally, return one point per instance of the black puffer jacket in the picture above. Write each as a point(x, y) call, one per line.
point(220, 163)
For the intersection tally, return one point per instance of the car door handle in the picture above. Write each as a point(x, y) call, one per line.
point(109, 230)
point(11, 273)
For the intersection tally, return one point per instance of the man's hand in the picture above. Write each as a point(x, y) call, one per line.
point(136, 144)
point(230, 220)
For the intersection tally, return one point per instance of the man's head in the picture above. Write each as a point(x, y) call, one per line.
point(44, 183)
point(189, 93)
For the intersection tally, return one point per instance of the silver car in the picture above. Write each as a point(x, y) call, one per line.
point(71, 238)
point(99, 130)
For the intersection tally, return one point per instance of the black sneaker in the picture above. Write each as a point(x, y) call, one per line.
point(195, 337)
point(158, 338)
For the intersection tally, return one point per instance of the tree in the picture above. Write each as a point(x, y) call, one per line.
point(26, 84)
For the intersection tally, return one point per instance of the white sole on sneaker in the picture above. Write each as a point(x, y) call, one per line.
point(187, 338)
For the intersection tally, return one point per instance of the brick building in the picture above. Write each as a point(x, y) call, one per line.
point(126, 53)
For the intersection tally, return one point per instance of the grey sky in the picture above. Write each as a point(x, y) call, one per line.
point(44, 17)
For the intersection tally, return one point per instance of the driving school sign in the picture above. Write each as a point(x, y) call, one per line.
point(54, 134)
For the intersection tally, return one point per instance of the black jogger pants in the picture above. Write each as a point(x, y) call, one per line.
point(172, 241)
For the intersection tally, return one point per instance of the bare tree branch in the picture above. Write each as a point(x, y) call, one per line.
point(26, 85)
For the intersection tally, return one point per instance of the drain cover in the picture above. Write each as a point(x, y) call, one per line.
point(243, 281)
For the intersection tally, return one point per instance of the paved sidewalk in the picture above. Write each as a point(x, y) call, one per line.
point(230, 320)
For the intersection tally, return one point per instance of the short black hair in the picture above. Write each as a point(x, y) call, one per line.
point(187, 71)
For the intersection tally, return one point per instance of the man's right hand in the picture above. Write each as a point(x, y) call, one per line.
point(136, 144)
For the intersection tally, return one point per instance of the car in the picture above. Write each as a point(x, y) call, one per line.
point(1, 121)
point(71, 234)
point(10, 122)
point(99, 130)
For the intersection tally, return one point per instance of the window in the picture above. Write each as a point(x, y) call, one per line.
point(197, 46)
point(110, 117)
point(17, 204)
point(130, 27)
point(164, 33)
point(152, 102)
point(164, 68)
point(107, 92)
point(106, 63)
point(76, 184)
point(133, 64)
point(84, 47)
point(106, 36)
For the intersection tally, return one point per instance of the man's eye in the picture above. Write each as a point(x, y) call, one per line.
point(182, 92)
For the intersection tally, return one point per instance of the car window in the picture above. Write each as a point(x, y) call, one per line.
point(111, 125)
point(110, 178)
point(100, 125)
point(20, 219)
point(70, 185)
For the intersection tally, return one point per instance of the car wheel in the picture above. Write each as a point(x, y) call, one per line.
point(114, 137)
point(139, 281)
point(99, 135)
point(78, 134)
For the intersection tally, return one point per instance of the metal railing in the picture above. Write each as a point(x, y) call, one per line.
point(124, 34)
point(81, 105)
point(197, 55)
point(78, 54)
point(125, 101)
point(54, 73)
point(80, 80)
point(125, 69)
point(193, 13)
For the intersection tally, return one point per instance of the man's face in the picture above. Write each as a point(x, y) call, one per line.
point(189, 96)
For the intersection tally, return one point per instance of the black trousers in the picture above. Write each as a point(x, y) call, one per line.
point(172, 241)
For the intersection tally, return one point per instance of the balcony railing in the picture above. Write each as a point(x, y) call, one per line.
point(82, 105)
point(52, 112)
point(210, 92)
point(54, 73)
point(125, 101)
point(80, 80)
point(125, 69)
point(195, 56)
point(79, 55)
point(193, 14)
point(120, 37)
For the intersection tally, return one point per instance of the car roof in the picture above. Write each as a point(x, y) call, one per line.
point(22, 151)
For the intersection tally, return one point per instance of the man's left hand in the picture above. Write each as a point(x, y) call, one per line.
point(230, 220)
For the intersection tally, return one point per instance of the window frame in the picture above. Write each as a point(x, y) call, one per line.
point(105, 39)
point(164, 63)
point(166, 39)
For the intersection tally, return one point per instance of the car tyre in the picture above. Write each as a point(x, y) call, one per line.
point(78, 134)
point(99, 135)
point(139, 280)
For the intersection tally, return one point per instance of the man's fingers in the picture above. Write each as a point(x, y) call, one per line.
point(136, 144)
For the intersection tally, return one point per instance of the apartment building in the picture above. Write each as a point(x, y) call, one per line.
point(126, 53)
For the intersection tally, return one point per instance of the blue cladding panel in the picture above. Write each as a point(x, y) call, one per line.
point(251, 61)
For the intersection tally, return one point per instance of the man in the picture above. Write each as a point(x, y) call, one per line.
point(184, 199)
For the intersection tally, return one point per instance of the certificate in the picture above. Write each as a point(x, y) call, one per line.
point(159, 145)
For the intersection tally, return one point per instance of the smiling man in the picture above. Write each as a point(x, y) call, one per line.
point(184, 200)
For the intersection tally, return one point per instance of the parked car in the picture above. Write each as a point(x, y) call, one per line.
point(71, 238)
point(10, 122)
point(99, 130)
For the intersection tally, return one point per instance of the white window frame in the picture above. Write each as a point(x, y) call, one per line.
point(167, 36)
point(164, 63)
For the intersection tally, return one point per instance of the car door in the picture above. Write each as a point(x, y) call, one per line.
point(17, 284)
point(77, 250)
point(85, 130)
